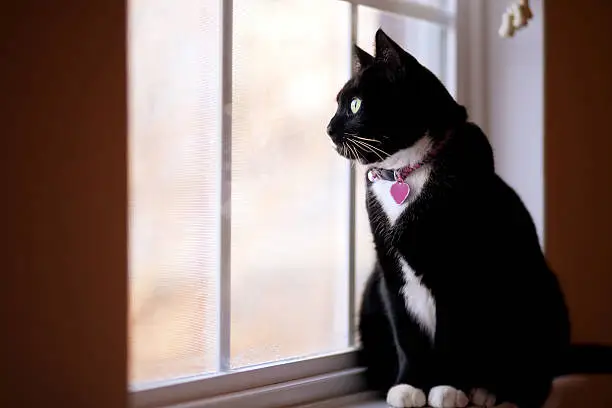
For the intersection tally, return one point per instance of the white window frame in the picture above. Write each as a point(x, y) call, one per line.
point(335, 377)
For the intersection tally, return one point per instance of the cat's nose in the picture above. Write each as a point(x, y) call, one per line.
point(334, 135)
point(333, 132)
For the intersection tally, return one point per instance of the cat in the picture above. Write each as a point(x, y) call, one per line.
point(461, 307)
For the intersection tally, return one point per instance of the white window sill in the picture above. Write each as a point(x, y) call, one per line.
point(327, 378)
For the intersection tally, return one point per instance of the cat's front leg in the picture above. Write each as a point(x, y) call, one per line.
point(410, 385)
point(406, 396)
point(413, 349)
point(446, 396)
point(451, 381)
point(440, 396)
point(451, 376)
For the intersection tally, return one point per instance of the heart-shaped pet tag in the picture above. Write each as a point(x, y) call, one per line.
point(400, 191)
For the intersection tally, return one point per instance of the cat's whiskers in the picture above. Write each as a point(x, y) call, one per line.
point(353, 151)
point(356, 149)
point(369, 148)
point(345, 150)
point(366, 139)
point(373, 149)
point(377, 148)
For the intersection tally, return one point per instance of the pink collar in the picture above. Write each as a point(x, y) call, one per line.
point(401, 190)
point(376, 173)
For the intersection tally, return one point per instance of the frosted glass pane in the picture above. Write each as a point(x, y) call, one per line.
point(173, 208)
point(289, 188)
point(424, 40)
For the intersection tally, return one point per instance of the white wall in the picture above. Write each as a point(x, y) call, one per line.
point(514, 96)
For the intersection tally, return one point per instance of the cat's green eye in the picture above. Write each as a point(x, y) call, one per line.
point(355, 105)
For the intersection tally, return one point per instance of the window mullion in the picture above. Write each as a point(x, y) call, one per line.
point(224, 293)
point(352, 241)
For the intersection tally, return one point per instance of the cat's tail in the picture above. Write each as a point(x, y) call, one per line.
point(585, 359)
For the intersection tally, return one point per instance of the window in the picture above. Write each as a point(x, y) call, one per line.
point(249, 243)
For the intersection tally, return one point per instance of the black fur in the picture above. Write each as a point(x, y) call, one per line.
point(501, 320)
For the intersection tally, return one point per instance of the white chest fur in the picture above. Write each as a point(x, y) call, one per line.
point(382, 192)
point(415, 180)
point(418, 300)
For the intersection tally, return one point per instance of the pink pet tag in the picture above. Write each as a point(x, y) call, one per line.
point(400, 191)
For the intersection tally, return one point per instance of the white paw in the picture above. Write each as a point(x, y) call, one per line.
point(405, 396)
point(482, 398)
point(444, 396)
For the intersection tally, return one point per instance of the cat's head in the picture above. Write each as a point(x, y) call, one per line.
point(389, 103)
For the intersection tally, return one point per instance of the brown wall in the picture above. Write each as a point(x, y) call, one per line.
point(63, 171)
point(578, 162)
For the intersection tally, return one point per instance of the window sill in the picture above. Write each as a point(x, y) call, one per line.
point(331, 389)
point(278, 385)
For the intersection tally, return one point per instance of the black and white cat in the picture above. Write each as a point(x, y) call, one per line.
point(461, 307)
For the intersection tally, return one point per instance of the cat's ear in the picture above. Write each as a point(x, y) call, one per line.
point(361, 59)
point(388, 50)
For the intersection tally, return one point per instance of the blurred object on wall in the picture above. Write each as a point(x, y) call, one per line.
point(516, 16)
